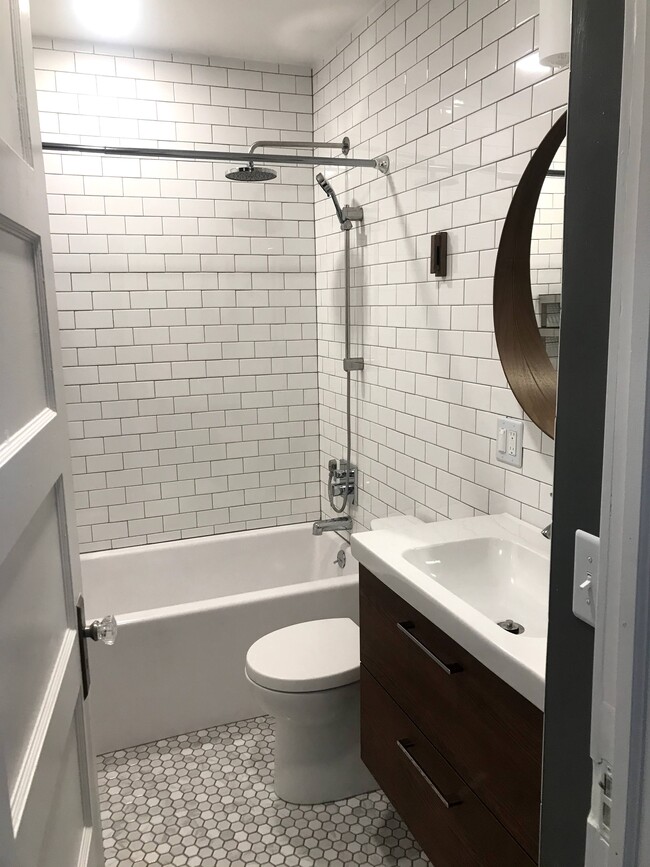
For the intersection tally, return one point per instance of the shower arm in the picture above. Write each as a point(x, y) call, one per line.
point(343, 146)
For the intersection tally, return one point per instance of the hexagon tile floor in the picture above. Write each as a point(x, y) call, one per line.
point(207, 800)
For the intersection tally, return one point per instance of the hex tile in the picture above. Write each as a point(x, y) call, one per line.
point(206, 799)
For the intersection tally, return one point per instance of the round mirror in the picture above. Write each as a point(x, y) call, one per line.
point(546, 255)
point(527, 281)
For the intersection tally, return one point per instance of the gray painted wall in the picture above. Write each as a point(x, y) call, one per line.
point(592, 142)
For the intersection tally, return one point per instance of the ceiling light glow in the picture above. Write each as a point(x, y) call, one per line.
point(530, 63)
point(108, 18)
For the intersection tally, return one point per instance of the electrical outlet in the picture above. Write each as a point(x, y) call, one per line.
point(510, 439)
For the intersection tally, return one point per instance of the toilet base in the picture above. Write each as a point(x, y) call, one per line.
point(317, 745)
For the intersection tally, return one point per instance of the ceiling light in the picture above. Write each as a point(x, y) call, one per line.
point(555, 33)
point(108, 18)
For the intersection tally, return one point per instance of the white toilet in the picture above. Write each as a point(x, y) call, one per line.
point(307, 677)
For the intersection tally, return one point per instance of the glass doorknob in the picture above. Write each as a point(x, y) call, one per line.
point(102, 630)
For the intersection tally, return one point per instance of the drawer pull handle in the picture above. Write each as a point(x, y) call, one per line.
point(406, 626)
point(404, 745)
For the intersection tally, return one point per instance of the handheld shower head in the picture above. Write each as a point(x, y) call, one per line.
point(346, 225)
point(327, 189)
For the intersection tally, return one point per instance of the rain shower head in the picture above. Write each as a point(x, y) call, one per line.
point(251, 173)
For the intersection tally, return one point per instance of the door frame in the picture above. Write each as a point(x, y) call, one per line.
point(621, 690)
point(590, 199)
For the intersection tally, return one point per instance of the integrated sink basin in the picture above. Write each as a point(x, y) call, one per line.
point(484, 581)
point(500, 578)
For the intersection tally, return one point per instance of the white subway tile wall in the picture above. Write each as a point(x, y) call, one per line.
point(187, 303)
point(454, 93)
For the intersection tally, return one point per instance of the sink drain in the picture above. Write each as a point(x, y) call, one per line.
point(511, 626)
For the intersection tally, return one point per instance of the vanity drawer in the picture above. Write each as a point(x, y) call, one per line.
point(489, 733)
point(451, 824)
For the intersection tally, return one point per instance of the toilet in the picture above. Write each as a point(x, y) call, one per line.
point(307, 677)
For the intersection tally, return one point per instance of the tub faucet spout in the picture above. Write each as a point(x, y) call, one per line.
point(332, 524)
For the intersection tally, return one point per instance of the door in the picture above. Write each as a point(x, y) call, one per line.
point(48, 798)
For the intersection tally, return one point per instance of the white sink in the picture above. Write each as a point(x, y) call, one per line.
point(467, 576)
point(500, 578)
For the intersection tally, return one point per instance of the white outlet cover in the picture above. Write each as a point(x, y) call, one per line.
point(506, 429)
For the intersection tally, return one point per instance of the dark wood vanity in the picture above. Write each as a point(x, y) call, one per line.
point(456, 749)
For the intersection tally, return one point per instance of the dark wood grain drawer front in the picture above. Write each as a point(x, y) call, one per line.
point(451, 824)
point(488, 732)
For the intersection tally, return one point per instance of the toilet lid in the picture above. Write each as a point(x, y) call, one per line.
point(306, 657)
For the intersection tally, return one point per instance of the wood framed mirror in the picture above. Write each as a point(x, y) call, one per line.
point(523, 348)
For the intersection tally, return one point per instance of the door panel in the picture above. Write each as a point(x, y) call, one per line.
point(24, 387)
point(48, 792)
point(14, 124)
point(57, 845)
point(56, 812)
point(31, 580)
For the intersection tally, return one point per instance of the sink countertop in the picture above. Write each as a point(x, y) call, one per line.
point(519, 660)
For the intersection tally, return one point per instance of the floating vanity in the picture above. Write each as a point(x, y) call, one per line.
point(451, 701)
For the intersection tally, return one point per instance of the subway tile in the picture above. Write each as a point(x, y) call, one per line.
point(115, 87)
point(517, 43)
point(72, 82)
point(499, 22)
point(240, 259)
point(61, 61)
point(551, 93)
point(95, 64)
point(176, 72)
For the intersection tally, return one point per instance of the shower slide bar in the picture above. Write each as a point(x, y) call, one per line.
point(381, 163)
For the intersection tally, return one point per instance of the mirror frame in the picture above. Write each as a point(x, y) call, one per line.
point(527, 367)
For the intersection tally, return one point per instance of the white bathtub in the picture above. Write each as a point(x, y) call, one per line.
point(188, 612)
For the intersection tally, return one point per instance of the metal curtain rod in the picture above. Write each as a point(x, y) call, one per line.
point(382, 163)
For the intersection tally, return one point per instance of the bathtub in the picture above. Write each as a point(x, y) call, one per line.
point(187, 613)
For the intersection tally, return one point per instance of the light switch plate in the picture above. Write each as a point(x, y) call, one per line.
point(510, 440)
point(585, 576)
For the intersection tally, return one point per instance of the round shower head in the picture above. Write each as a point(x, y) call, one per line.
point(251, 173)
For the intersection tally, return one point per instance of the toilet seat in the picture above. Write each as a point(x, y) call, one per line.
point(306, 657)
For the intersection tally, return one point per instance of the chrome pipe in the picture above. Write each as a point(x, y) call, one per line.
point(343, 146)
point(348, 292)
point(381, 163)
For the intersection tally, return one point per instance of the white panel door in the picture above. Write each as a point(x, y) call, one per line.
point(48, 798)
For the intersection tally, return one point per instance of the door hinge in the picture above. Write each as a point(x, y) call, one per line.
point(605, 786)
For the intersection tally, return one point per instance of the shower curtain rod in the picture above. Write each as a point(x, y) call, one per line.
point(381, 163)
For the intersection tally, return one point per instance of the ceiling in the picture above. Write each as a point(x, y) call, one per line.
point(279, 31)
